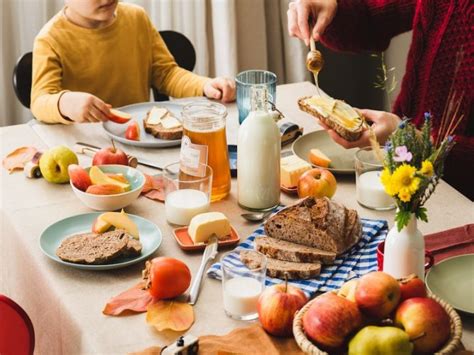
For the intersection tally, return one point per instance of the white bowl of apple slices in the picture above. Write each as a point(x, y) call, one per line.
point(106, 187)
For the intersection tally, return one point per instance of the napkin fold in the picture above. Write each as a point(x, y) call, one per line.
point(359, 260)
point(451, 242)
point(248, 340)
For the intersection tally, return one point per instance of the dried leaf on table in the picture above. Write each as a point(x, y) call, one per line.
point(154, 187)
point(177, 316)
point(135, 299)
point(18, 158)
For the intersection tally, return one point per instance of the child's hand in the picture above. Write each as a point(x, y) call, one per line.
point(83, 107)
point(220, 89)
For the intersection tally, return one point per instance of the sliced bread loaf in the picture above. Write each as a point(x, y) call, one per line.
point(287, 251)
point(278, 268)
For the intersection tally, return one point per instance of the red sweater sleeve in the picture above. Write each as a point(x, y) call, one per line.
point(368, 25)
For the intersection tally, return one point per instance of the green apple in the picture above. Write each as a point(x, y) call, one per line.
point(54, 163)
point(380, 340)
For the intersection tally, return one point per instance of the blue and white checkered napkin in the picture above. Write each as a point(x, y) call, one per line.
point(359, 260)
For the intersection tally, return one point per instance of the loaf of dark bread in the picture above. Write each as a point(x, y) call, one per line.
point(350, 128)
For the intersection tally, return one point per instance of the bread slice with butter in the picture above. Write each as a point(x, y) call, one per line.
point(162, 124)
point(204, 225)
point(337, 114)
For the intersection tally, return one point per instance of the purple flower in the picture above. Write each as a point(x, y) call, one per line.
point(388, 146)
point(450, 139)
point(402, 154)
point(427, 116)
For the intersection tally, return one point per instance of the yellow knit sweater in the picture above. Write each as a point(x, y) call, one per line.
point(118, 63)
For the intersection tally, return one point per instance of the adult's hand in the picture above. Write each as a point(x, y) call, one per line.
point(300, 12)
point(83, 107)
point(384, 123)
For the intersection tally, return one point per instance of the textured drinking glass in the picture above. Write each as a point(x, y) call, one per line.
point(245, 80)
point(186, 195)
point(242, 286)
point(369, 189)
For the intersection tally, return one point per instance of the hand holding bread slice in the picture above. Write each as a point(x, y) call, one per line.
point(336, 114)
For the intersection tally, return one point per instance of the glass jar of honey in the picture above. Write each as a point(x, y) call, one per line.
point(204, 126)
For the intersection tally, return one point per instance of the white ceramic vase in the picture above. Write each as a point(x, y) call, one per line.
point(404, 252)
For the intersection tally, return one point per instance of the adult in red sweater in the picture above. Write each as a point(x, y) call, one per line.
point(440, 29)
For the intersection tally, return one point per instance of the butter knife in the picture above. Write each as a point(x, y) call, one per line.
point(209, 253)
point(89, 149)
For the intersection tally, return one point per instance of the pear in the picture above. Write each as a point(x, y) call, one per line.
point(380, 340)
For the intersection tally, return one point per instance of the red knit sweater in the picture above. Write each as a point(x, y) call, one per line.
point(440, 29)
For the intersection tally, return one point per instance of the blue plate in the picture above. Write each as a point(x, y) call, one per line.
point(52, 236)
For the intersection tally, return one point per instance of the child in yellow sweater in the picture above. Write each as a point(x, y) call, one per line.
point(97, 54)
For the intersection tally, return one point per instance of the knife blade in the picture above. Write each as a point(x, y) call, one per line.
point(209, 253)
point(88, 149)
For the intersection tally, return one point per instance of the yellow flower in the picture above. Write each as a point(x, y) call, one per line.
point(386, 179)
point(427, 168)
point(404, 178)
point(404, 195)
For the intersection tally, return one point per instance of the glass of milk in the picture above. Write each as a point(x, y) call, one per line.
point(186, 195)
point(369, 189)
point(242, 286)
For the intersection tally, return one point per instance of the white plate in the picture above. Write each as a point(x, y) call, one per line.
point(138, 111)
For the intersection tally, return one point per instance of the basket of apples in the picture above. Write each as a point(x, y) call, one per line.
point(378, 314)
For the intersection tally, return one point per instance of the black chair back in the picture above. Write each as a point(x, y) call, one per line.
point(183, 52)
point(178, 44)
point(22, 78)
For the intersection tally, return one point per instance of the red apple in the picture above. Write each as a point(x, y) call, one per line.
point(79, 177)
point(426, 323)
point(411, 286)
point(119, 116)
point(330, 319)
point(110, 155)
point(317, 183)
point(133, 131)
point(377, 294)
point(277, 306)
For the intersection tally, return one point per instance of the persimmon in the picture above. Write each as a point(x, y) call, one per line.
point(166, 277)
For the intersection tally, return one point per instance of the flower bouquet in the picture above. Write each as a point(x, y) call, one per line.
point(413, 166)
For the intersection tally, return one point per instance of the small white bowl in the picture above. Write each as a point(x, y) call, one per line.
point(117, 201)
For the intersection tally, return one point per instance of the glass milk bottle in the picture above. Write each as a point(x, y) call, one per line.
point(258, 156)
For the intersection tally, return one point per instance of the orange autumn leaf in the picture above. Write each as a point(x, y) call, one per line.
point(135, 299)
point(154, 187)
point(177, 316)
point(18, 158)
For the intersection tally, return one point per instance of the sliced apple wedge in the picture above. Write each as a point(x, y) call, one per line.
point(119, 116)
point(99, 178)
point(100, 226)
point(120, 220)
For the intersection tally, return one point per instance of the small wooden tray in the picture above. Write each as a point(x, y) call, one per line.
point(289, 190)
point(186, 243)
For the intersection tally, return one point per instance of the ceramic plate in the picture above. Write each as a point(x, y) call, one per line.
point(452, 281)
point(186, 243)
point(138, 112)
point(150, 237)
point(342, 160)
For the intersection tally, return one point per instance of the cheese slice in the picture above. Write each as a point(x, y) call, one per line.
point(204, 225)
point(170, 122)
point(156, 115)
point(291, 168)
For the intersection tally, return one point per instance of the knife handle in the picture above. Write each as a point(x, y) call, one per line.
point(90, 152)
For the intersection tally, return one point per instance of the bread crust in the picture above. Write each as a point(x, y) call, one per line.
point(158, 131)
point(347, 134)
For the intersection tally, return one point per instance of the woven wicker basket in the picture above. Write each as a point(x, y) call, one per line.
point(453, 344)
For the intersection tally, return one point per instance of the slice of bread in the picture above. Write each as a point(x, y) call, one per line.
point(338, 115)
point(287, 251)
point(278, 268)
point(159, 131)
point(92, 248)
point(317, 223)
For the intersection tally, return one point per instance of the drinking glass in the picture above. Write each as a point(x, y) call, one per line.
point(204, 125)
point(369, 189)
point(245, 80)
point(186, 195)
point(242, 286)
